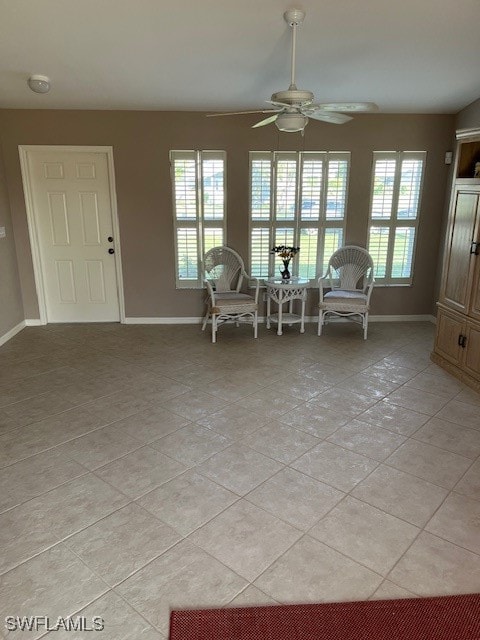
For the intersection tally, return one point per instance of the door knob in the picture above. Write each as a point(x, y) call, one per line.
point(110, 239)
point(111, 250)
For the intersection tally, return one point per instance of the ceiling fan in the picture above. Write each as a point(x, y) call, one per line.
point(293, 107)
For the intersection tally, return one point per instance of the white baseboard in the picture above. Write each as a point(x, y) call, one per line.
point(168, 320)
point(34, 322)
point(13, 332)
point(198, 320)
point(419, 318)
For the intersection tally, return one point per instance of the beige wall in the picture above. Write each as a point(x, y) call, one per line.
point(11, 307)
point(469, 118)
point(141, 142)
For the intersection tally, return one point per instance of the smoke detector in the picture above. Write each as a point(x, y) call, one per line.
point(39, 84)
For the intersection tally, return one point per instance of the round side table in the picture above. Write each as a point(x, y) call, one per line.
point(281, 292)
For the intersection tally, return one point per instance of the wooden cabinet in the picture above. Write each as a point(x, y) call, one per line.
point(457, 342)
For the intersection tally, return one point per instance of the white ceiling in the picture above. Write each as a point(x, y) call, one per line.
point(408, 56)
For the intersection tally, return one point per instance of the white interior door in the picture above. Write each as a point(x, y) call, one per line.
point(70, 196)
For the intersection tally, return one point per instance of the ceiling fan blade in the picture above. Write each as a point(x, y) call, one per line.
point(269, 120)
point(237, 113)
point(357, 107)
point(326, 116)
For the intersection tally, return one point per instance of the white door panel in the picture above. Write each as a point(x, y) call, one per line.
point(71, 200)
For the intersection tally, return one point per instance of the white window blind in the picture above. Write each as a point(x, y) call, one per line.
point(397, 180)
point(297, 199)
point(199, 212)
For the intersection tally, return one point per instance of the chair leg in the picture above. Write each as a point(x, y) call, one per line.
point(255, 324)
point(205, 320)
point(320, 322)
point(365, 326)
point(214, 328)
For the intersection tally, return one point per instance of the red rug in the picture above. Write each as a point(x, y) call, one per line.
point(441, 618)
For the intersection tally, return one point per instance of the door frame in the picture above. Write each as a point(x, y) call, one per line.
point(33, 233)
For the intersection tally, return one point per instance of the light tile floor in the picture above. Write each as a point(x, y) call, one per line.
point(143, 468)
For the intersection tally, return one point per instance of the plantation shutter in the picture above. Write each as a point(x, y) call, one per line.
point(297, 199)
point(397, 179)
point(199, 211)
point(260, 213)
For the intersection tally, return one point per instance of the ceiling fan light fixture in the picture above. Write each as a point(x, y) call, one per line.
point(291, 122)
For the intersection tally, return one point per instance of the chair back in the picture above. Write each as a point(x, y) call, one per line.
point(225, 268)
point(350, 268)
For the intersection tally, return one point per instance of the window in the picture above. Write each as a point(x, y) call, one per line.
point(395, 203)
point(198, 182)
point(297, 199)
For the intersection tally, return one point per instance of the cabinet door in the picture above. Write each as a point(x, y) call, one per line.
point(449, 330)
point(459, 261)
point(471, 361)
point(474, 310)
point(475, 297)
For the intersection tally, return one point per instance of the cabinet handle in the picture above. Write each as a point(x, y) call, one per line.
point(464, 342)
point(460, 340)
point(474, 248)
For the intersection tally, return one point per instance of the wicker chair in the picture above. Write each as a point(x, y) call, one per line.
point(350, 279)
point(225, 271)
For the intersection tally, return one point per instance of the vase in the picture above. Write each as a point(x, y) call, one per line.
point(286, 273)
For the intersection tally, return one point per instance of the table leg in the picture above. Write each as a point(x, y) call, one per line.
point(302, 323)
point(280, 307)
point(268, 310)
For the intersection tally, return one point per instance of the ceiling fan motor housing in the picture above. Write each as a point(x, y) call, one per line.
point(293, 97)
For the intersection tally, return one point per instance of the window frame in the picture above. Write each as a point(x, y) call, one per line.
point(200, 224)
point(394, 222)
point(296, 223)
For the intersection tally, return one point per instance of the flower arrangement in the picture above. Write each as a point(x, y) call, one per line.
point(286, 254)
